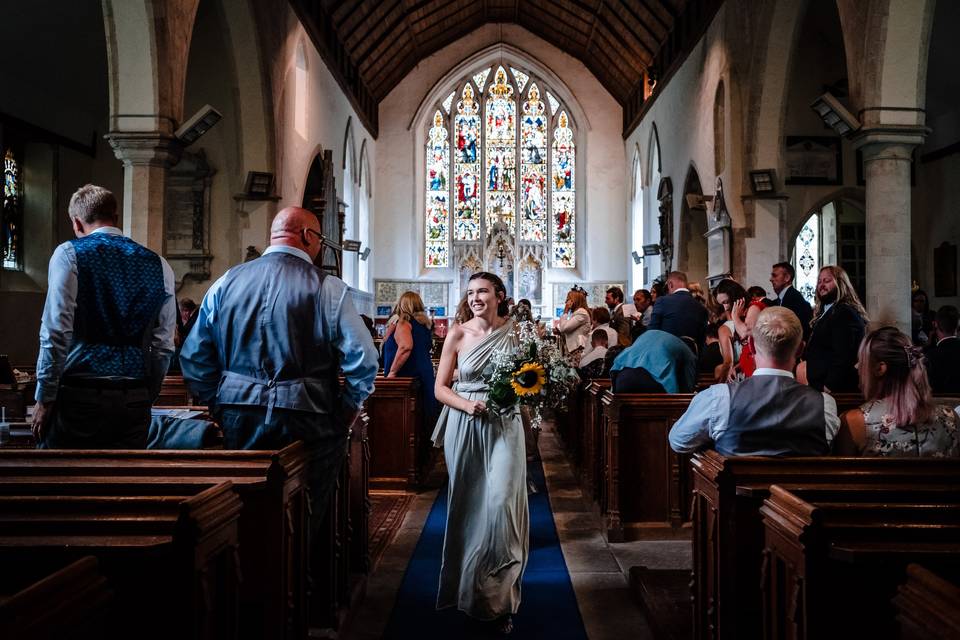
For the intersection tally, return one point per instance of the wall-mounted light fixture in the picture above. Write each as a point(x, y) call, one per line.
point(762, 182)
point(637, 258)
point(197, 125)
point(365, 253)
point(834, 114)
point(651, 249)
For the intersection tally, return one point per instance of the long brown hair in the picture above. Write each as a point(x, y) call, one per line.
point(846, 294)
point(904, 385)
point(410, 307)
point(578, 299)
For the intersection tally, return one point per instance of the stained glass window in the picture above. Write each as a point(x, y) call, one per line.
point(806, 258)
point(501, 150)
point(533, 150)
point(449, 101)
point(521, 78)
point(564, 195)
point(481, 78)
point(499, 164)
point(438, 203)
point(11, 234)
point(467, 167)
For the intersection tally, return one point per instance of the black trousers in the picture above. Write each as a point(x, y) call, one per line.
point(98, 418)
point(635, 380)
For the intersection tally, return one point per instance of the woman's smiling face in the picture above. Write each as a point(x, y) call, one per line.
point(482, 295)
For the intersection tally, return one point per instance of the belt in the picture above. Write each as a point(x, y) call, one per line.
point(114, 384)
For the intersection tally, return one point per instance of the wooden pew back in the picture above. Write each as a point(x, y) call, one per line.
point(834, 555)
point(399, 444)
point(728, 529)
point(928, 607)
point(647, 484)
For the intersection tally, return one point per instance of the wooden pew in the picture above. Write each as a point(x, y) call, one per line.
point(172, 558)
point(272, 527)
point(399, 442)
point(594, 457)
point(728, 530)
point(646, 491)
point(70, 602)
point(834, 556)
point(174, 393)
point(928, 607)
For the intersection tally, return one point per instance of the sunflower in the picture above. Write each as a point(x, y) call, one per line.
point(528, 380)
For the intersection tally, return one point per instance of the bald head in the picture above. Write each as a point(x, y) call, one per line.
point(298, 228)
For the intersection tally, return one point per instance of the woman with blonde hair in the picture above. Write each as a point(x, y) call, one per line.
point(899, 417)
point(574, 324)
point(838, 325)
point(406, 347)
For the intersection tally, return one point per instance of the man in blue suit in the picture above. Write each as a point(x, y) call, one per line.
point(678, 312)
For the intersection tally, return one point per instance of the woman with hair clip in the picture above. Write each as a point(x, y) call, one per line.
point(406, 348)
point(838, 325)
point(487, 532)
point(899, 417)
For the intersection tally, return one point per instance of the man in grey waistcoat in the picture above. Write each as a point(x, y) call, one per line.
point(768, 414)
point(270, 340)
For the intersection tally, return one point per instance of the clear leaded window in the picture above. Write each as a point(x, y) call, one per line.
point(500, 179)
point(11, 221)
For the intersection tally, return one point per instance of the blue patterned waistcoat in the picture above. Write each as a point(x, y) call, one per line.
point(119, 295)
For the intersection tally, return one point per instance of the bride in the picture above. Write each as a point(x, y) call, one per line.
point(486, 542)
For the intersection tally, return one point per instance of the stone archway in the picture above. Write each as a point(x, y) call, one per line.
point(692, 254)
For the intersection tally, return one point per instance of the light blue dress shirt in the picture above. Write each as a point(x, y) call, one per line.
point(57, 348)
point(706, 418)
point(342, 328)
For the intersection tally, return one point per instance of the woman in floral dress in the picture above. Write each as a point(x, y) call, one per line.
point(899, 417)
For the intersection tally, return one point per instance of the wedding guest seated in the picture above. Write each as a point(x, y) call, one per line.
point(768, 414)
point(711, 359)
point(657, 362)
point(601, 320)
point(591, 364)
point(899, 417)
point(944, 356)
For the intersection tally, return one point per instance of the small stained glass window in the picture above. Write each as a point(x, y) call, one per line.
point(806, 258)
point(438, 204)
point(11, 233)
point(521, 78)
point(467, 167)
point(480, 79)
point(449, 101)
point(564, 195)
point(554, 105)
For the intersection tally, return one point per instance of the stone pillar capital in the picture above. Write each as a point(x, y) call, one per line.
point(893, 141)
point(145, 148)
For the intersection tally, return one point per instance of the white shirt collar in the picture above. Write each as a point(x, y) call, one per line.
point(826, 308)
point(783, 292)
point(766, 371)
point(680, 289)
point(293, 251)
point(113, 231)
point(945, 339)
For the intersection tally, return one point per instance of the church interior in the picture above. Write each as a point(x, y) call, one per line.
point(560, 146)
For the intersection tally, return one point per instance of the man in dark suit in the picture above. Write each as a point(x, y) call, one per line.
point(678, 312)
point(781, 277)
point(944, 358)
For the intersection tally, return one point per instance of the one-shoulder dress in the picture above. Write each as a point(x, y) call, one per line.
point(487, 536)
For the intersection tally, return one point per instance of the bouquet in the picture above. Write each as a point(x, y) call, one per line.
point(534, 374)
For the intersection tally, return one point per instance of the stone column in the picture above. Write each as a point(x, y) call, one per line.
point(146, 156)
point(887, 154)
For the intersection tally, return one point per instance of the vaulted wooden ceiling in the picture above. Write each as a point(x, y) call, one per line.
point(376, 43)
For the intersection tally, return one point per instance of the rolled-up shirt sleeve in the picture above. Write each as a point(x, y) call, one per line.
point(830, 417)
point(200, 355)
point(162, 346)
point(349, 336)
point(703, 420)
point(56, 325)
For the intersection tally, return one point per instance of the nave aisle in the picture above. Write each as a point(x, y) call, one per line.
point(596, 571)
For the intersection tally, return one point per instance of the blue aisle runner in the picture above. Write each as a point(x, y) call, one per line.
point(548, 606)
